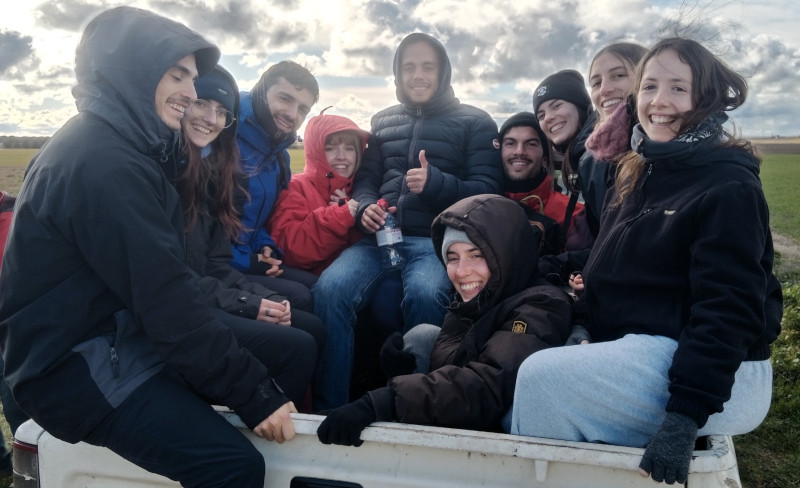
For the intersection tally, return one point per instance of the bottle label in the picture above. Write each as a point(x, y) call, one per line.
point(387, 237)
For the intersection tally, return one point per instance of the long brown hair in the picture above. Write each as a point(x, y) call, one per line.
point(715, 88)
point(567, 172)
point(209, 185)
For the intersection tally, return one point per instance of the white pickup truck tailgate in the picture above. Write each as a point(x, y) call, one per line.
point(398, 455)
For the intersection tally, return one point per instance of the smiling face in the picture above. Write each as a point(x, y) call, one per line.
point(467, 269)
point(419, 72)
point(342, 153)
point(288, 105)
point(201, 129)
point(665, 94)
point(559, 120)
point(175, 92)
point(611, 81)
point(522, 153)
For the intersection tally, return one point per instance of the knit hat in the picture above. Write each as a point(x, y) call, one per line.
point(521, 119)
point(216, 86)
point(451, 236)
point(565, 85)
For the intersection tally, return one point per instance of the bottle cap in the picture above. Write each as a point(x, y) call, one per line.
point(382, 203)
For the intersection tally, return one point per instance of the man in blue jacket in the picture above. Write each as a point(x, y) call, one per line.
point(424, 154)
point(269, 116)
point(103, 329)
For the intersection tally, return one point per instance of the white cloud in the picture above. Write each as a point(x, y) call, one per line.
point(500, 50)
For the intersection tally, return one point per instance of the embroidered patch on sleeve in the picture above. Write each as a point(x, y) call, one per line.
point(519, 327)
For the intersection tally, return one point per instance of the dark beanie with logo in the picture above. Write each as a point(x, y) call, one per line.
point(565, 85)
point(216, 86)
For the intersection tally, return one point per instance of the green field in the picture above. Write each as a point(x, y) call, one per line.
point(14, 161)
point(780, 176)
point(768, 457)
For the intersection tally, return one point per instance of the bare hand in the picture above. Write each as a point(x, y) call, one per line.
point(576, 283)
point(274, 312)
point(417, 177)
point(352, 205)
point(266, 257)
point(279, 426)
point(337, 197)
point(373, 218)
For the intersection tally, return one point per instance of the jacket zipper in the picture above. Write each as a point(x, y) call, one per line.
point(619, 235)
point(411, 147)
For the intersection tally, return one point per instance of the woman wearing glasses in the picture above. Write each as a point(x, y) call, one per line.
point(287, 341)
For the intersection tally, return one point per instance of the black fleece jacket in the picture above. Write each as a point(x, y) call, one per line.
point(689, 256)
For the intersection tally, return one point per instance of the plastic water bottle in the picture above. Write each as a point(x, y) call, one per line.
point(388, 237)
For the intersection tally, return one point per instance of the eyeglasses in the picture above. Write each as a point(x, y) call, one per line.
point(203, 108)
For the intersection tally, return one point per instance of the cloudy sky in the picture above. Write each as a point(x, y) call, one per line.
point(500, 50)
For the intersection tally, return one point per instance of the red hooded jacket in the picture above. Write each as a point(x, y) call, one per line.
point(311, 232)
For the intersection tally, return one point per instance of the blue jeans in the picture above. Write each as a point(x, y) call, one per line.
point(349, 284)
point(615, 392)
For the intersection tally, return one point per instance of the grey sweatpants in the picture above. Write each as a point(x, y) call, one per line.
point(615, 392)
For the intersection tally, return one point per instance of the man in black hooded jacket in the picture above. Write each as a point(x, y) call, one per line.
point(104, 333)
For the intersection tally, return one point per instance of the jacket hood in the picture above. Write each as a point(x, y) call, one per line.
point(499, 227)
point(121, 58)
point(317, 169)
point(444, 92)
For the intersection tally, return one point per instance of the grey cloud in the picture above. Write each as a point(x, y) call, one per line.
point(237, 21)
point(43, 87)
point(17, 55)
point(507, 107)
point(69, 15)
point(232, 20)
point(376, 60)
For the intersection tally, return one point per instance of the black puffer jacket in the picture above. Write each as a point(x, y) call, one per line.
point(460, 143)
point(689, 256)
point(475, 360)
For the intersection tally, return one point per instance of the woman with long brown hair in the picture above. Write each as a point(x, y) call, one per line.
point(286, 340)
point(682, 302)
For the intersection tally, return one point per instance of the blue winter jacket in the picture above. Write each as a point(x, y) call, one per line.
point(265, 162)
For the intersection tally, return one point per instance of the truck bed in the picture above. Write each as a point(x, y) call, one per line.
point(393, 455)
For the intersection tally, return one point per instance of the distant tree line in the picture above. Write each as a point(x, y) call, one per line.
point(22, 142)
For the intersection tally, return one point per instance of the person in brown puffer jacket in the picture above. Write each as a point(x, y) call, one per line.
point(496, 320)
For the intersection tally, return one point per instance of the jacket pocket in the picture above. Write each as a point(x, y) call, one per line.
point(120, 362)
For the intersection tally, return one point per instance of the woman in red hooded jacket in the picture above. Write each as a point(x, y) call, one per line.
point(313, 219)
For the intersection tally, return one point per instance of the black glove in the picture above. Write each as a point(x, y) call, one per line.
point(578, 334)
point(343, 425)
point(669, 452)
point(394, 360)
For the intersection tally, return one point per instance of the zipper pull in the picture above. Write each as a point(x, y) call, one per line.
point(114, 362)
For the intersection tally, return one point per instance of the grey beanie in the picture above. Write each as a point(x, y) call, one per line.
point(565, 85)
point(451, 236)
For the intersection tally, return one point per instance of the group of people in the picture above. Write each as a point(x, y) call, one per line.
point(178, 263)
